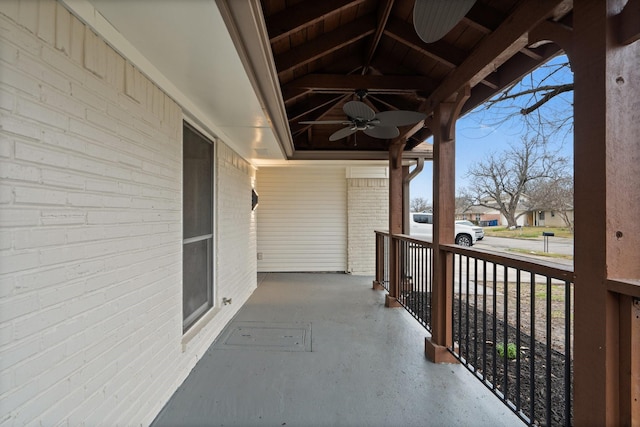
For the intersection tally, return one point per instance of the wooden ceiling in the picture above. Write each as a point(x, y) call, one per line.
point(325, 50)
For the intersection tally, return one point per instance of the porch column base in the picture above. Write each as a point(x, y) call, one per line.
point(377, 286)
point(437, 353)
point(391, 302)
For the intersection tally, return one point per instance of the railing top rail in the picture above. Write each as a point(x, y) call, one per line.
point(414, 239)
point(546, 268)
point(382, 232)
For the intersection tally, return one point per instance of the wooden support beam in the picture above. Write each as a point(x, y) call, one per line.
point(442, 124)
point(607, 232)
point(496, 48)
point(395, 219)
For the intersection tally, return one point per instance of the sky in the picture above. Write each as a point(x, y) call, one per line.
point(486, 131)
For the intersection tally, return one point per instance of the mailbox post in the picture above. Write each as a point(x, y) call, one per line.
point(546, 235)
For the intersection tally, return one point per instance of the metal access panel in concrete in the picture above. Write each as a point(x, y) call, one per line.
point(266, 336)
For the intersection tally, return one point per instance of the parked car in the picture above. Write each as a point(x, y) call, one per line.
point(422, 226)
point(479, 233)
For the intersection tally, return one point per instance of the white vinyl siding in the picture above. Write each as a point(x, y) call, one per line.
point(302, 219)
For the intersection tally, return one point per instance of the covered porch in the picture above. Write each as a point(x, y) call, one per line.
point(360, 364)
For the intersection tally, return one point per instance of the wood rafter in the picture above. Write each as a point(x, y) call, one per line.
point(337, 83)
point(325, 44)
point(305, 14)
point(440, 51)
point(383, 17)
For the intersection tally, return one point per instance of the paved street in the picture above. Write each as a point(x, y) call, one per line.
point(557, 245)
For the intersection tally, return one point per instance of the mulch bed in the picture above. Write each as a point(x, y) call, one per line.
point(477, 349)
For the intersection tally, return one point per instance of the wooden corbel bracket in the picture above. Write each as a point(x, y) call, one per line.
point(450, 111)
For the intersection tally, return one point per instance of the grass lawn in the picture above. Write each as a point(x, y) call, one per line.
point(527, 232)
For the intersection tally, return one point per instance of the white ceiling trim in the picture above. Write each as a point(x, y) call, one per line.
point(250, 134)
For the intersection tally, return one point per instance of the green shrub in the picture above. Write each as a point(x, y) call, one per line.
point(512, 350)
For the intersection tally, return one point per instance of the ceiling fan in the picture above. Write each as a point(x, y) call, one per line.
point(360, 116)
point(433, 19)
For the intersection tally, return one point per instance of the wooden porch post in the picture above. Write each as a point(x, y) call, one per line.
point(395, 219)
point(605, 61)
point(444, 156)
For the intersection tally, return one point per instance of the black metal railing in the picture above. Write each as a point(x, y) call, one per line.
point(416, 278)
point(512, 327)
point(382, 259)
point(512, 322)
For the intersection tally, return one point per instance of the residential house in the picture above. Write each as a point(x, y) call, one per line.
point(134, 135)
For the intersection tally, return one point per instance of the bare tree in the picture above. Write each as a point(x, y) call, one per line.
point(553, 195)
point(543, 100)
point(419, 204)
point(501, 180)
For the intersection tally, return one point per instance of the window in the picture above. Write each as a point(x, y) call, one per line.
point(197, 203)
point(423, 218)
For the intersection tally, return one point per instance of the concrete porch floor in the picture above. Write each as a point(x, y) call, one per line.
point(366, 366)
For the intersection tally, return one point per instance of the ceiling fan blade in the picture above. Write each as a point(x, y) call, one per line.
point(399, 117)
point(359, 110)
point(342, 133)
point(382, 132)
point(325, 122)
point(433, 19)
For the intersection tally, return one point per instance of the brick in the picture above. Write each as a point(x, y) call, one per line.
point(59, 294)
point(61, 102)
point(11, 308)
point(63, 140)
point(18, 126)
point(62, 28)
point(62, 179)
point(39, 196)
point(38, 154)
point(6, 240)
point(7, 101)
point(63, 216)
point(87, 97)
point(19, 217)
point(28, 15)
point(85, 200)
point(22, 350)
point(44, 277)
point(57, 60)
point(37, 237)
point(77, 40)
point(6, 146)
point(42, 73)
point(100, 119)
point(17, 172)
point(14, 262)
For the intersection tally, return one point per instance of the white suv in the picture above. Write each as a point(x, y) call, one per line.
point(422, 226)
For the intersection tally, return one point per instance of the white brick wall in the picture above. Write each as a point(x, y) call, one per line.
point(368, 210)
point(91, 229)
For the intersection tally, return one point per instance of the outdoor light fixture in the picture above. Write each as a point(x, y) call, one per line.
point(254, 199)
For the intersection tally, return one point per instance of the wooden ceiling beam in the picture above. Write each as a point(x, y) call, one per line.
point(310, 105)
point(325, 44)
point(440, 51)
point(339, 83)
point(496, 48)
point(383, 16)
point(304, 14)
point(486, 20)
